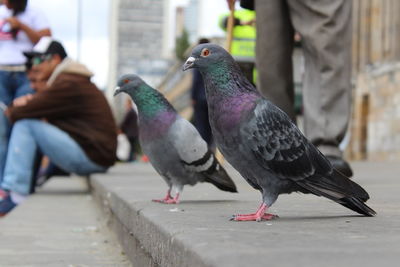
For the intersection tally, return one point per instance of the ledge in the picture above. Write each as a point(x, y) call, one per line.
point(311, 231)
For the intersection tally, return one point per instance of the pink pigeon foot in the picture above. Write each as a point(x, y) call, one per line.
point(258, 216)
point(168, 199)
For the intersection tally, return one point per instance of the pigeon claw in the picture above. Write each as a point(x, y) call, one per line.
point(166, 201)
point(253, 217)
point(259, 216)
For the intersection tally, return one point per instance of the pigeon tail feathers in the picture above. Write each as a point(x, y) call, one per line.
point(340, 189)
point(218, 177)
point(357, 205)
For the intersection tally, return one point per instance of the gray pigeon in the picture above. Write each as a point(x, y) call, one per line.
point(173, 145)
point(262, 143)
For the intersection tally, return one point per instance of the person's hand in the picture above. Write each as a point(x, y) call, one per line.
point(251, 22)
point(14, 22)
point(22, 100)
point(231, 3)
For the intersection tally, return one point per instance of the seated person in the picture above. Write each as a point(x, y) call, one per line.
point(43, 168)
point(69, 120)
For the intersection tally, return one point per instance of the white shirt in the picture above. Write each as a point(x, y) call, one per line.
point(11, 51)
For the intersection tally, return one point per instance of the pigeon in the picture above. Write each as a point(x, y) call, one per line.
point(262, 143)
point(172, 144)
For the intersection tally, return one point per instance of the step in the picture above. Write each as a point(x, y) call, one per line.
point(60, 225)
point(311, 231)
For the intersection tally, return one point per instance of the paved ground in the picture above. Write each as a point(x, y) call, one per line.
point(59, 226)
point(311, 231)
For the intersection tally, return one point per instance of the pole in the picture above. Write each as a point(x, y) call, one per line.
point(229, 37)
point(78, 30)
point(229, 30)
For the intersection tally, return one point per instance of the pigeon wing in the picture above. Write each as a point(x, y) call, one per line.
point(192, 149)
point(279, 146)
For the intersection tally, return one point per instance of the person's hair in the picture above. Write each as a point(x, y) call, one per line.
point(18, 6)
point(203, 41)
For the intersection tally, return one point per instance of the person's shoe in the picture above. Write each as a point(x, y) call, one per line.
point(6, 205)
point(341, 165)
point(145, 158)
point(3, 194)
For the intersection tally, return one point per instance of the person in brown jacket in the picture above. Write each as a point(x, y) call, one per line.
point(68, 119)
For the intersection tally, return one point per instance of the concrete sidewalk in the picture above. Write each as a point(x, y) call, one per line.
point(311, 231)
point(60, 225)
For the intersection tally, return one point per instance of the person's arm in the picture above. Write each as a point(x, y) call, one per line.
point(224, 22)
point(33, 35)
point(51, 103)
point(22, 100)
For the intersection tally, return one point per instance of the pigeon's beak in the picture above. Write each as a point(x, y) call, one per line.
point(117, 90)
point(189, 63)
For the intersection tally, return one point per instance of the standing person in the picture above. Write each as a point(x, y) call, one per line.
point(21, 27)
point(325, 28)
point(129, 126)
point(200, 107)
point(69, 120)
point(243, 40)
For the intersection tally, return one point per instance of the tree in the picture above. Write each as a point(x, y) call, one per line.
point(181, 45)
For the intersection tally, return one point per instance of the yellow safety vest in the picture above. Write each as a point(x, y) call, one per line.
point(244, 36)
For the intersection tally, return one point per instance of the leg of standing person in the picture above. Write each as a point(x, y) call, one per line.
point(12, 85)
point(132, 149)
point(325, 27)
point(5, 98)
point(207, 127)
point(247, 69)
point(201, 121)
point(22, 84)
point(28, 135)
point(4, 133)
point(274, 47)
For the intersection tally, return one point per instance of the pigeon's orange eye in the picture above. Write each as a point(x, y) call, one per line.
point(205, 52)
point(126, 81)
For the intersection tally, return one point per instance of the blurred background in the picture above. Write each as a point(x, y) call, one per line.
point(129, 36)
point(150, 37)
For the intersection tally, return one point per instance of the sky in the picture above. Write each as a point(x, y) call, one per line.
point(208, 17)
point(94, 45)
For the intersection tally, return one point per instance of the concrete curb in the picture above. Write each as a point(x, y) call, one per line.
point(311, 231)
point(145, 243)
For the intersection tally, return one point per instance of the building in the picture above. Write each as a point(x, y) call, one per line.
point(375, 127)
point(137, 41)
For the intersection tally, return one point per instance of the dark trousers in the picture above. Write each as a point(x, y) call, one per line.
point(247, 69)
point(133, 142)
point(325, 28)
point(201, 121)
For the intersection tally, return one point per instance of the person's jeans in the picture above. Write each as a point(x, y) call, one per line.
point(12, 85)
point(30, 134)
